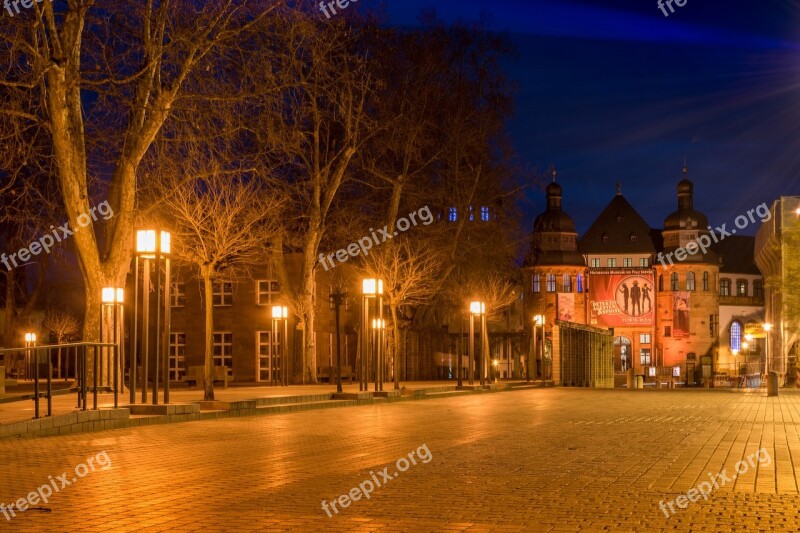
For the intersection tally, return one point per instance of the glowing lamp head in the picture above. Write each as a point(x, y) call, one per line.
point(767, 327)
point(378, 323)
point(745, 345)
point(538, 320)
point(30, 337)
point(372, 287)
point(495, 362)
point(280, 311)
point(477, 308)
point(148, 243)
point(113, 295)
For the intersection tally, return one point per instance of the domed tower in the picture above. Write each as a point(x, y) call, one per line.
point(687, 271)
point(556, 271)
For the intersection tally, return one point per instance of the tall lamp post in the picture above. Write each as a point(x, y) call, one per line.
point(378, 326)
point(338, 298)
point(476, 308)
point(114, 297)
point(155, 245)
point(370, 288)
point(767, 359)
point(538, 320)
point(280, 313)
point(30, 342)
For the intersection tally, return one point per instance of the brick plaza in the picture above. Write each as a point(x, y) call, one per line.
point(535, 460)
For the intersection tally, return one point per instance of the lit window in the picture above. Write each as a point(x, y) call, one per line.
point(612, 262)
point(551, 283)
point(580, 282)
point(452, 214)
point(471, 216)
point(485, 214)
point(223, 293)
point(724, 287)
point(595, 263)
point(267, 291)
point(627, 262)
point(566, 283)
point(736, 336)
point(673, 282)
point(644, 356)
point(644, 338)
point(690, 281)
point(644, 262)
point(741, 287)
point(536, 286)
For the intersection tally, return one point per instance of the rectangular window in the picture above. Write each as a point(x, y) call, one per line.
point(595, 263)
point(452, 214)
point(724, 287)
point(223, 293)
point(668, 331)
point(644, 338)
point(485, 213)
point(612, 262)
point(223, 348)
point(713, 325)
point(644, 262)
point(758, 288)
point(267, 291)
point(536, 284)
point(177, 356)
point(644, 356)
point(177, 294)
point(269, 361)
point(741, 287)
point(627, 262)
point(551, 283)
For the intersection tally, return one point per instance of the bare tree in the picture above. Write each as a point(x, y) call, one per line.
point(64, 326)
point(222, 221)
point(136, 63)
point(409, 271)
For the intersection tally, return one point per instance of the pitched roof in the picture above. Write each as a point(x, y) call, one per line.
point(618, 229)
point(737, 254)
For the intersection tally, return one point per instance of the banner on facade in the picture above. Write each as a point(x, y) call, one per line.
point(621, 297)
point(680, 313)
point(566, 306)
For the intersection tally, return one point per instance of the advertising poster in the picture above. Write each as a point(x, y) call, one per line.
point(566, 306)
point(680, 313)
point(621, 297)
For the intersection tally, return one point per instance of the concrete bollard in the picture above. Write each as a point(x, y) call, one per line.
point(772, 384)
point(630, 379)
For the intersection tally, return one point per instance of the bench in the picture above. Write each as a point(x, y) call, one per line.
point(329, 373)
point(196, 375)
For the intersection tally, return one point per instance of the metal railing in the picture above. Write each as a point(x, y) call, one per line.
point(37, 356)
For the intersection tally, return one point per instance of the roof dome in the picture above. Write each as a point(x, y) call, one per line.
point(554, 219)
point(686, 217)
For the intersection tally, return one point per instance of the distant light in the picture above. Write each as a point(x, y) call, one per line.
point(280, 311)
point(372, 287)
point(378, 323)
point(767, 327)
point(30, 337)
point(539, 320)
point(113, 295)
point(477, 308)
point(147, 246)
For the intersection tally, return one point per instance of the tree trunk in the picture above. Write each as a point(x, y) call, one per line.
point(396, 329)
point(208, 375)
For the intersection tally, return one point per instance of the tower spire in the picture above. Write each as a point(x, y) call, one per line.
point(619, 188)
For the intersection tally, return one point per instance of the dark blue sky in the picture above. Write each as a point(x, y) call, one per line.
point(614, 91)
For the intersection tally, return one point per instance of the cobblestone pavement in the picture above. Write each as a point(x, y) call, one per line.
point(534, 460)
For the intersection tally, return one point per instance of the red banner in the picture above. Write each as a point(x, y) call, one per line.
point(621, 297)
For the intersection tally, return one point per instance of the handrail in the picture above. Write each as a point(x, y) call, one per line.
point(35, 353)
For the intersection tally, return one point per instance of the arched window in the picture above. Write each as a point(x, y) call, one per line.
point(705, 281)
point(673, 282)
point(536, 285)
point(736, 336)
point(661, 283)
point(551, 283)
point(566, 283)
point(690, 281)
point(580, 282)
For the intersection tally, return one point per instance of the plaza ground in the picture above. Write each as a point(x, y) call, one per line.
point(534, 460)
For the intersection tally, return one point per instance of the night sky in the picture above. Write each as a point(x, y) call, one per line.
point(614, 91)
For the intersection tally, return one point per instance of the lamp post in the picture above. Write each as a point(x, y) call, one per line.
point(31, 356)
point(30, 342)
point(378, 326)
point(767, 361)
point(280, 313)
point(538, 320)
point(114, 297)
point(338, 298)
point(370, 288)
point(476, 308)
point(495, 363)
point(156, 245)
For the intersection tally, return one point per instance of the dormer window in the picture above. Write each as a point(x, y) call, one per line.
point(633, 237)
point(619, 218)
point(605, 237)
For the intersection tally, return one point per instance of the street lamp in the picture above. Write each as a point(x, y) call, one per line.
point(476, 308)
point(538, 320)
point(370, 288)
point(495, 363)
point(338, 298)
point(378, 327)
point(30, 341)
point(279, 313)
point(113, 297)
point(157, 245)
